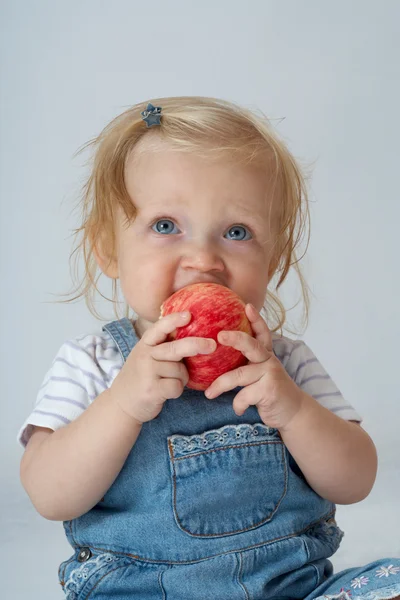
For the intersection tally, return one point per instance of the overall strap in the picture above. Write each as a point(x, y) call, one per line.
point(123, 334)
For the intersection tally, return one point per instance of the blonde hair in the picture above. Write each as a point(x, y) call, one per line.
point(198, 125)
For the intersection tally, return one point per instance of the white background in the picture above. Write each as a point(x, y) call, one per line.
point(331, 69)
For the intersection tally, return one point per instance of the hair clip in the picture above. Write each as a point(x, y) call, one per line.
point(152, 115)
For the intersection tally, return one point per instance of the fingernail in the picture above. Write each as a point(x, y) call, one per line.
point(184, 315)
point(209, 349)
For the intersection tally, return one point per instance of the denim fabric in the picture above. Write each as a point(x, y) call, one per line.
point(207, 505)
point(377, 581)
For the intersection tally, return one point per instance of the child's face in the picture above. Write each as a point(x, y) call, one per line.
point(196, 221)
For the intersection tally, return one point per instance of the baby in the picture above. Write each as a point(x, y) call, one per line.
point(169, 492)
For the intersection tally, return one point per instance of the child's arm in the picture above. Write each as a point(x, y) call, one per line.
point(67, 472)
point(337, 457)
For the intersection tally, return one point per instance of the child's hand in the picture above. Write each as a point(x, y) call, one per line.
point(267, 384)
point(154, 371)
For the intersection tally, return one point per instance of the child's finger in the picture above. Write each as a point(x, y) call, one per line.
point(179, 349)
point(239, 406)
point(245, 398)
point(259, 326)
point(161, 329)
point(242, 376)
point(252, 348)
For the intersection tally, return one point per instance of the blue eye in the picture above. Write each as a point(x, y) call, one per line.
point(165, 226)
point(237, 232)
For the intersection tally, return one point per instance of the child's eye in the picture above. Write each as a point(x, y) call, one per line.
point(164, 226)
point(238, 232)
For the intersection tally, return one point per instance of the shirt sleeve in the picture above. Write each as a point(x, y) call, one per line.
point(309, 374)
point(75, 378)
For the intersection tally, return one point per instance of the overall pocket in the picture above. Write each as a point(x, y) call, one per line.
point(80, 574)
point(227, 481)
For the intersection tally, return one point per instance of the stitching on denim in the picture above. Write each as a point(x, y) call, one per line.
point(160, 583)
point(240, 573)
point(305, 546)
point(70, 524)
point(101, 578)
point(213, 535)
point(316, 572)
point(118, 338)
point(65, 563)
point(247, 445)
point(145, 559)
point(81, 573)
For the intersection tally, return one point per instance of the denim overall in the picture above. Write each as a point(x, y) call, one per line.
point(208, 505)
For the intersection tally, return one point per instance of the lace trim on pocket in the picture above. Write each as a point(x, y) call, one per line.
point(228, 435)
point(80, 574)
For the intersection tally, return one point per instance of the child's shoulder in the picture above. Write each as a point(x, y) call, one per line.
point(95, 347)
point(285, 348)
point(295, 355)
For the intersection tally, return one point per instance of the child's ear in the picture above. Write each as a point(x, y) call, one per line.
point(106, 259)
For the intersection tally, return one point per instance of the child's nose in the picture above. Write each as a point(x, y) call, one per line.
point(203, 258)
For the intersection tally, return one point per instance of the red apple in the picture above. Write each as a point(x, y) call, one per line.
point(214, 308)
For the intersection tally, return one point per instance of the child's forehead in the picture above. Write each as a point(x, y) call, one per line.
point(179, 181)
point(158, 174)
point(159, 162)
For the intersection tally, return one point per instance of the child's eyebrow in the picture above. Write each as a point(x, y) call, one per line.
point(247, 211)
point(233, 210)
point(248, 214)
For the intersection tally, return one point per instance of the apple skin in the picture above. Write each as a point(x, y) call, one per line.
point(214, 308)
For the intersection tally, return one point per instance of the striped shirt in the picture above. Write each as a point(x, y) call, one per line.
point(84, 367)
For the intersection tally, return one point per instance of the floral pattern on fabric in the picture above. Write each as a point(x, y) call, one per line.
point(385, 593)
